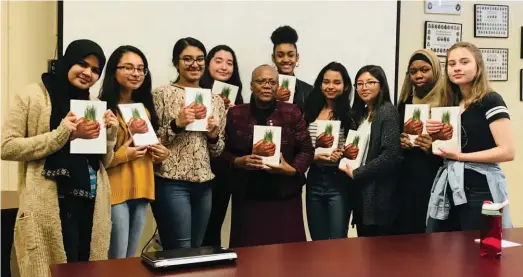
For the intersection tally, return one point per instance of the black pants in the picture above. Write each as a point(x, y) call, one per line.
point(221, 194)
point(8, 226)
point(76, 215)
point(465, 217)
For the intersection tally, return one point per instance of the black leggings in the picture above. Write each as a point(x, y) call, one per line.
point(76, 215)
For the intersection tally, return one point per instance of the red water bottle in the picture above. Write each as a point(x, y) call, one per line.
point(491, 219)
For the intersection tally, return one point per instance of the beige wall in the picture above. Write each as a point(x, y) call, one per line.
point(412, 30)
point(28, 41)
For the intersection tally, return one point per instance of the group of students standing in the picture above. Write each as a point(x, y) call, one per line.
point(78, 207)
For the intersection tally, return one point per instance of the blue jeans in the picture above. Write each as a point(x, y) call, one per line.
point(181, 210)
point(128, 222)
point(328, 209)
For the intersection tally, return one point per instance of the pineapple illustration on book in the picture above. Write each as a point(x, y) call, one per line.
point(225, 96)
point(447, 130)
point(352, 150)
point(90, 113)
point(90, 116)
point(325, 139)
point(414, 126)
point(136, 114)
point(265, 147)
point(200, 109)
point(284, 88)
point(137, 124)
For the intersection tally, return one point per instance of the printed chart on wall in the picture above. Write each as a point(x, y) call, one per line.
point(491, 21)
point(440, 36)
point(496, 63)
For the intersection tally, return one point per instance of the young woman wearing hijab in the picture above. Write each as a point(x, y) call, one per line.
point(221, 64)
point(286, 58)
point(65, 211)
point(128, 80)
point(419, 165)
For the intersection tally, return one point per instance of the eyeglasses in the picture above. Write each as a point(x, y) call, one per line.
point(262, 82)
point(366, 84)
point(129, 69)
point(188, 60)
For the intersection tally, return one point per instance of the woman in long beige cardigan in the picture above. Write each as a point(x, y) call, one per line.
point(37, 132)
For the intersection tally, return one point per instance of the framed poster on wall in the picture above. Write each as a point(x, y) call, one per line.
point(496, 63)
point(440, 36)
point(443, 7)
point(490, 21)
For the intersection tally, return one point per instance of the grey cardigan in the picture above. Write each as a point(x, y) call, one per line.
point(377, 179)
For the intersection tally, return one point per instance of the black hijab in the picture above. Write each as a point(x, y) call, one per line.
point(70, 171)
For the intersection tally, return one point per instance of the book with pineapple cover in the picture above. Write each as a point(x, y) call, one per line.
point(225, 90)
point(327, 136)
point(450, 134)
point(357, 144)
point(416, 116)
point(287, 83)
point(136, 112)
point(266, 143)
point(200, 97)
point(90, 111)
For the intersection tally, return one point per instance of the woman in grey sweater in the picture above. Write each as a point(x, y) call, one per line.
point(374, 182)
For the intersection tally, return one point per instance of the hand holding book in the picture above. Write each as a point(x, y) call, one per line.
point(424, 141)
point(212, 127)
point(134, 153)
point(405, 141)
point(158, 151)
point(186, 116)
point(283, 168)
point(110, 120)
point(69, 122)
point(249, 162)
point(336, 155)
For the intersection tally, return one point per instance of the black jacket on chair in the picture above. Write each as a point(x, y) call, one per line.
point(376, 181)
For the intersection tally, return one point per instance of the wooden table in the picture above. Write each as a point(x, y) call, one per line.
point(443, 254)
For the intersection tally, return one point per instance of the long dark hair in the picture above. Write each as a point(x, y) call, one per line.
point(316, 100)
point(207, 81)
point(359, 111)
point(180, 45)
point(110, 90)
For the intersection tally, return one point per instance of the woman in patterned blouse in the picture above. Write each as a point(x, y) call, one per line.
point(184, 180)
